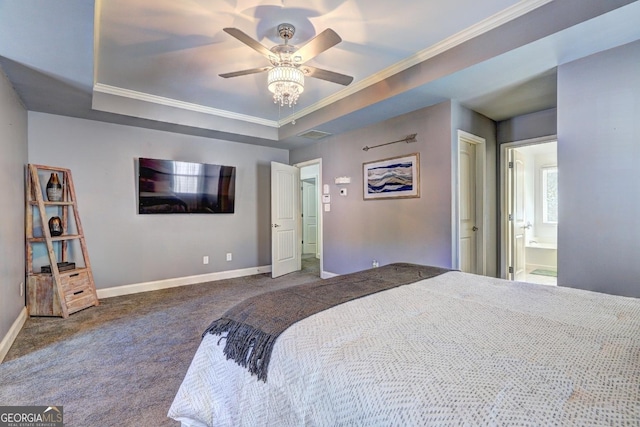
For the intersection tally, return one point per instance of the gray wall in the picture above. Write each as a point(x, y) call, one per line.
point(599, 175)
point(414, 230)
point(13, 157)
point(528, 126)
point(127, 248)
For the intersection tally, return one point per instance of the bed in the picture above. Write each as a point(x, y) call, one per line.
point(453, 349)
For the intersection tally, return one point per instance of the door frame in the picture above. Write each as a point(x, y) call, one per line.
point(504, 199)
point(482, 210)
point(304, 199)
point(319, 183)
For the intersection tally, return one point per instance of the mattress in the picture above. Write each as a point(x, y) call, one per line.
point(456, 349)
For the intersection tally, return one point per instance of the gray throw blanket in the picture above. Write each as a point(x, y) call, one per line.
point(253, 325)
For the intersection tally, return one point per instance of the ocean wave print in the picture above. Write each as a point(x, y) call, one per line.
point(391, 178)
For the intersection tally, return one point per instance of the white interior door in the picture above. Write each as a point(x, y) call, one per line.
point(517, 216)
point(309, 217)
point(285, 219)
point(468, 223)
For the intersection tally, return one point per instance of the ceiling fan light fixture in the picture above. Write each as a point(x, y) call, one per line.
point(286, 83)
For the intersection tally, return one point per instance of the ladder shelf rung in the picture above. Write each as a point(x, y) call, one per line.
point(63, 273)
point(54, 239)
point(35, 203)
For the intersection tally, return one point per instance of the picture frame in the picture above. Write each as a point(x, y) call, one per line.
point(392, 178)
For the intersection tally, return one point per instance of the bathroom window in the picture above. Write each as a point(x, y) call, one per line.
point(550, 195)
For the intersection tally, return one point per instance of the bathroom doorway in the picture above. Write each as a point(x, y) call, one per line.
point(530, 202)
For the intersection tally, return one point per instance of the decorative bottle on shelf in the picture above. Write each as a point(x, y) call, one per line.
point(54, 188)
point(55, 226)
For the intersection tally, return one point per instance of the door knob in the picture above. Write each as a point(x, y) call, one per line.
point(276, 225)
point(475, 228)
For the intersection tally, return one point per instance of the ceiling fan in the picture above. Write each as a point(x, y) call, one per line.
point(288, 69)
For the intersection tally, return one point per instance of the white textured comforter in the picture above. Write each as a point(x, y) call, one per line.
point(457, 349)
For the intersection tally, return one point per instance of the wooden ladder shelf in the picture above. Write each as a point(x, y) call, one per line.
point(62, 287)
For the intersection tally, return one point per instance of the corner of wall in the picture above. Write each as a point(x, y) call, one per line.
point(13, 332)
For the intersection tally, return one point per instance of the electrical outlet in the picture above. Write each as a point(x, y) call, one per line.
point(205, 259)
point(229, 256)
point(21, 289)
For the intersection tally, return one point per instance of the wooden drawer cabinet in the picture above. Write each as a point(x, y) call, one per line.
point(77, 291)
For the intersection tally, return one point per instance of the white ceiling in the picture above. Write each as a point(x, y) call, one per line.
point(155, 63)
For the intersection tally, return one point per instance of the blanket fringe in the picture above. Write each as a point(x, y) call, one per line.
point(248, 346)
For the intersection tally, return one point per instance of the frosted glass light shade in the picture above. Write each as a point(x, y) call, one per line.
point(286, 83)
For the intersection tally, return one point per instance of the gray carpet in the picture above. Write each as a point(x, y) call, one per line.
point(121, 363)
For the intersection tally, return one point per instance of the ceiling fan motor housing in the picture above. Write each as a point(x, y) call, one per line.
point(283, 52)
point(286, 31)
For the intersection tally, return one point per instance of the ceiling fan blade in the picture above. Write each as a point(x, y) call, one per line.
point(244, 72)
point(244, 38)
point(329, 76)
point(314, 47)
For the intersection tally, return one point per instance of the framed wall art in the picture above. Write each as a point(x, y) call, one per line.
point(397, 177)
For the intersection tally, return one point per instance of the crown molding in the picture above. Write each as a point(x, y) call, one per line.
point(519, 9)
point(168, 102)
point(515, 11)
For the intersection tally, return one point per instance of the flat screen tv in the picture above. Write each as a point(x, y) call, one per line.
point(169, 186)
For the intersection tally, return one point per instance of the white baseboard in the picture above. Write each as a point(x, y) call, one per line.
point(8, 339)
point(327, 275)
point(179, 281)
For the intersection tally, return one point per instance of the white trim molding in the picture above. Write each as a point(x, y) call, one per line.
point(328, 275)
point(169, 102)
point(515, 11)
point(502, 197)
point(13, 332)
point(179, 281)
point(320, 249)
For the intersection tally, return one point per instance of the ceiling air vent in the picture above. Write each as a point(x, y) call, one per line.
point(314, 134)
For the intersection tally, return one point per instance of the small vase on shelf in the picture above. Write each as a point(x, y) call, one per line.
point(55, 226)
point(54, 188)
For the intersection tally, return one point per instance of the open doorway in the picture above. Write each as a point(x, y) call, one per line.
point(530, 201)
point(310, 178)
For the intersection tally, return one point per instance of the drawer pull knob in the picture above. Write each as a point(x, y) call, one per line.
point(74, 275)
point(77, 293)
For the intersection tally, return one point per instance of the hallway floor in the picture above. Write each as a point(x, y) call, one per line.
point(541, 279)
point(310, 264)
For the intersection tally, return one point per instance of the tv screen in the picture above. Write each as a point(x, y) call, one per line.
point(169, 186)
